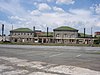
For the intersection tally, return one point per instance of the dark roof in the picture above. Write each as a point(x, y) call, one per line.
point(82, 35)
point(44, 34)
point(65, 28)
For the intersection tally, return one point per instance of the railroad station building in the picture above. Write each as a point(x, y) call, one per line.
point(63, 35)
point(26, 35)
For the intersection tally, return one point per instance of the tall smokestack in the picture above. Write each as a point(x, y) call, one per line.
point(34, 30)
point(47, 31)
point(91, 31)
point(84, 32)
point(2, 31)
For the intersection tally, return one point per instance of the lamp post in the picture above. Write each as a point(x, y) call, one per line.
point(91, 37)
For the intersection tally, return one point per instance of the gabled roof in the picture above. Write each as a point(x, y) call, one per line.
point(22, 29)
point(65, 28)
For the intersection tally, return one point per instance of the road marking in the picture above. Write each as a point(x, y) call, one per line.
point(34, 52)
point(56, 55)
point(78, 55)
point(27, 52)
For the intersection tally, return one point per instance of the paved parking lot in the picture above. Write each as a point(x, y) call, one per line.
point(49, 60)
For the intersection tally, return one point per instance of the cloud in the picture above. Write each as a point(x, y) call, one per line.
point(17, 18)
point(44, 7)
point(49, 0)
point(75, 18)
point(55, 18)
point(96, 8)
point(12, 7)
point(36, 13)
point(81, 12)
point(67, 2)
point(35, 3)
point(78, 18)
point(59, 10)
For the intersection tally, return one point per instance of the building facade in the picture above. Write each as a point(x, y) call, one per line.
point(63, 35)
point(97, 34)
point(21, 35)
point(66, 35)
point(26, 35)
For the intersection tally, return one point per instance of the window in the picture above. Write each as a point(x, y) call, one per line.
point(30, 33)
point(72, 35)
point(15, 33)
point(18, 33)
point(21, 33)
point(27, 33)
point(65, 35)
point(57, 35)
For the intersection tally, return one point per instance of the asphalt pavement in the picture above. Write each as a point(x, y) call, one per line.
point(84, 57)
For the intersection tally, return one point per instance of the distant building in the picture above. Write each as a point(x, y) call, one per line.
point(65, 34)
point(97, 34)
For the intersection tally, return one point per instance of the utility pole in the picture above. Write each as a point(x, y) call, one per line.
point(12, 27)
point(91, 37)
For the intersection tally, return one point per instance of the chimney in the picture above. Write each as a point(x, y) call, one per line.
point(34, 30)
point(2, 30)
point(91, 32)
point(47, 31)
point(84, 32)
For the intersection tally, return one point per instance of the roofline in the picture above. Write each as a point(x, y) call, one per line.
point(21, 31)
point(26, 31)
point(97, 32)
point(64, 30)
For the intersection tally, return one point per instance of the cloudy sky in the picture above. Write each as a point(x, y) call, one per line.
point(50, 13)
